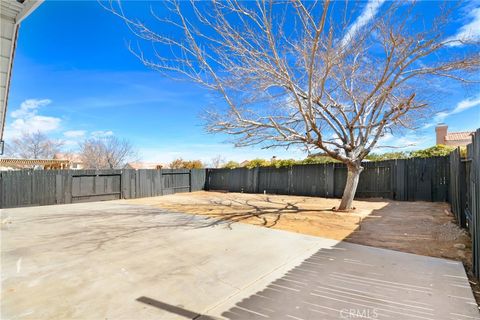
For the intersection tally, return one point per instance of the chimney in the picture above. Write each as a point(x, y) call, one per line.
point(441, 131)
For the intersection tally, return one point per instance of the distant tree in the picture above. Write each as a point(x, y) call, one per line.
point(387, 156)
point(217, 162)
point(176, 164)
point(33, 146)
point(436, 151)
point(194, 164)
point(185, 164)
point(258, 163)
point(106, 153)
point(282, 163)
point(231, 165)
point(318, 160)
point(314, 74)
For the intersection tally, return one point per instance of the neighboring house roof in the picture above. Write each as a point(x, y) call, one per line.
point(244, 163)
point(144, 165)
point(73, 157)
point(12, 13)
point(456, 136)
point(15, 162)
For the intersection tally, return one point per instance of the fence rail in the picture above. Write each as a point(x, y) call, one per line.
point(34, 188)
point(404, 179)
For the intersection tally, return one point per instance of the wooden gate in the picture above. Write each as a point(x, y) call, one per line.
point(96, 187)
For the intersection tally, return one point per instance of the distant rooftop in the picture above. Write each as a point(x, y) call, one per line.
point(455, 136)
point(453, 139)
point(143, 165)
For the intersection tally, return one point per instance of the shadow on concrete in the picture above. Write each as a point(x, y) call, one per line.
point(349, 281)
point(96, 228)
point(172, 309)
point(306, 292)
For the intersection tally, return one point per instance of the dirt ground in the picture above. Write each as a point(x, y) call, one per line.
point(424, 228)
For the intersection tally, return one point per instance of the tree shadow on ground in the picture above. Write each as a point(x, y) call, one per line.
point(266, 210)
point(92, 230)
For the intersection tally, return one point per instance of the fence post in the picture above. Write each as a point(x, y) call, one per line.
point(67, 187)
point(190, 180)
point(206, 185)
point(256, 182)
point(399, 173)
point(289, 180)
point(329, 180)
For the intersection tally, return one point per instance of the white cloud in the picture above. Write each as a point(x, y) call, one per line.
point(367, 14)
point(463, 105)
point(469, 31)
point(74, 133)
point(467, 104)
point(28, 107)
point(397, 142)
point(26, 119)
point(101, 133)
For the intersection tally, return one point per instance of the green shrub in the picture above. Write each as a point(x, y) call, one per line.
point(282, 163)
point(257, 163)
point(317, 160)
point(436, 151)
point(231, 165)
point(387, 156)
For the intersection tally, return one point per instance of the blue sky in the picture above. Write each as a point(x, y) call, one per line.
point(74, 78)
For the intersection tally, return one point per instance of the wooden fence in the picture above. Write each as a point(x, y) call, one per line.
point(404, 179)
point(465, 194)
point(33, 188)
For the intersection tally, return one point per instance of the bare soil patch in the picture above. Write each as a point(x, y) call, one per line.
point(424, 228)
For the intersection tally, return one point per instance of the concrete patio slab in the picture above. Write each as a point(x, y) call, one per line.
point(113, 260)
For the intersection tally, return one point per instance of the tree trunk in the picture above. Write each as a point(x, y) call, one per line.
point(353, 176)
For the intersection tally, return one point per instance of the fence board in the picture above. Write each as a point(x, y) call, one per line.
point(31, 188)
point(198, 177)
point(458, 188)
point(464, 194)
point(411, 179)
point(274, 180)
point(473, 202)
point(233, 180)
point(309, 180)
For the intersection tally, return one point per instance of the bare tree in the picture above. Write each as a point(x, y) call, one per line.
point(308, 74)
point(217, 162)
point(34, 145)
point(106, 153)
